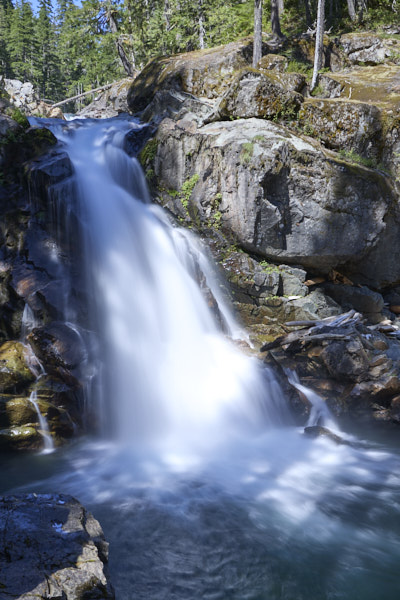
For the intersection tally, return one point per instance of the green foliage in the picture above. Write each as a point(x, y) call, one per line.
point(246, 153)
point(317, 91)
point(297, 66)
point(149, 152)
point(268, 267)
point(19, 117)
point(187, 189)
point(371, 163)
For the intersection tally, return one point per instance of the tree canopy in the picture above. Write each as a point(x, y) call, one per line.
point(64, 48)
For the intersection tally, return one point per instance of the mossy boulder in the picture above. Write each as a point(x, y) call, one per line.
point(369, 48)
point(262, 95)
point(15, 372)
point(201, 73)
point(273, 62)
point(25, 437)
point(344, 125)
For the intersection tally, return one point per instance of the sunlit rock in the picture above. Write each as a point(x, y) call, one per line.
point(52, 548)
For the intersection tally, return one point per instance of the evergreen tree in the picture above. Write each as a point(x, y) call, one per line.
point(22, 41)
point(46, 69)
point(6, 9)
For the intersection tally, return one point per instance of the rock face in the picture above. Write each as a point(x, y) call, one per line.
point(354, 367)
point(254, 94)
point(32, 289)
point(345, 125)
point(203, 73)
point(109, 103)
point(281, 197)
point(370, 49)
point(23, 96)
point(51, 548)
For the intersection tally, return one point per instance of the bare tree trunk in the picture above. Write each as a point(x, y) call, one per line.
point(257, 44)
point(167, 15)
point(201, 24)
point(319, 43)
point(275, 21)
point(129, 67)
point(281, 6)
point(352, 10)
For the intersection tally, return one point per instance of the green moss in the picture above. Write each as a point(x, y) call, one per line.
point(371, 163)
point(246, 153)
point(17, 115)
point(187, 188)
point(149, 152)
point(268, 268)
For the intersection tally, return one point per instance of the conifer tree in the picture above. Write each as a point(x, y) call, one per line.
point(6, 9)
point(22, 41)
point(47, 75)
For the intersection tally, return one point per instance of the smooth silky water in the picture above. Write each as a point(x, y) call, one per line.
point(204, 487)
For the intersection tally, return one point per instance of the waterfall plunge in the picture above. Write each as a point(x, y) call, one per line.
point(169, 371)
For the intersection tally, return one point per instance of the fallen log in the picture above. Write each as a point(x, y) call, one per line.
point(99, 89)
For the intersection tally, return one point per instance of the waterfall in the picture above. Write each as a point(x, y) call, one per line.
point(169, 371)
point(216, 499)
point(48, 444)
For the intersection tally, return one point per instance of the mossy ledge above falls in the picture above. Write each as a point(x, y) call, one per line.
point(297, 196)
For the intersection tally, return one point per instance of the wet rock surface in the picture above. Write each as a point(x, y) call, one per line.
point(35, 269)
point(52, 548)
point(353, 366)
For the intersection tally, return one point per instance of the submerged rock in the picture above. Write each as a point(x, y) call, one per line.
point(52, 548)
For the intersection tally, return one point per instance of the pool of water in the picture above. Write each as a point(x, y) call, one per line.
point(278, 516)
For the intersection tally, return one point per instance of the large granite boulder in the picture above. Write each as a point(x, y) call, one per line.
point(201, 73)
point(345, 125)
point(369, 48)
point(51, 548)
point(280, 196)
point(263, 95)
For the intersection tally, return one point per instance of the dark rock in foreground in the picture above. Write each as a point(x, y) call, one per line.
point(52, 548)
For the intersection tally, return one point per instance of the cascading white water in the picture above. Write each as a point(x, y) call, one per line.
point(48, 444)
point(270, 513)
point(170, 371)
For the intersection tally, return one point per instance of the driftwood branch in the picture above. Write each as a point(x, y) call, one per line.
point(311, 330)
point(100, 89)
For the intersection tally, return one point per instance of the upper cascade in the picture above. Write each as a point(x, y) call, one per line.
point(169, 369)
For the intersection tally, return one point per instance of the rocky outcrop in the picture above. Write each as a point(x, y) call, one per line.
point(202, 73)
point(52, 548)
point(371, 49)
point(109, 103)
point(354, 367)
point(253, 94)
point(280, 197)
point(23, 96)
